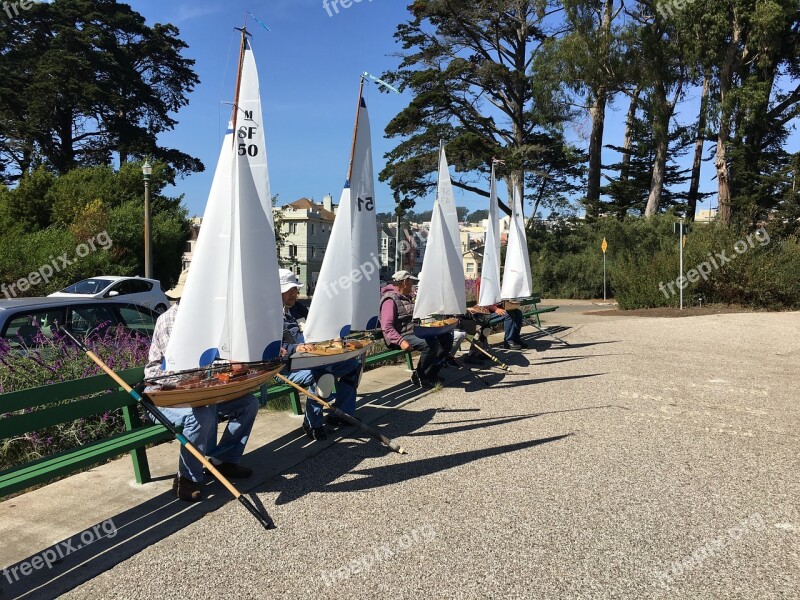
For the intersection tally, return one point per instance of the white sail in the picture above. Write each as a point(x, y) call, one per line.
point(330, 315)
point(250, 137)
point(205, 295)
point(490, 271)
point(517, 272)
point(366, 259)
point(348, 287)
point(441, 287)
point(233, 279)
point(255, 308)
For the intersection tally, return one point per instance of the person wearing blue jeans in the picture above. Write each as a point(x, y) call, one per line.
point(200, 428)
point(512, 325)
point(346, 373)
point(200, 424)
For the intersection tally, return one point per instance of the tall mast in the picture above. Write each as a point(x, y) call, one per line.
point(355, 132)
point(242, 48)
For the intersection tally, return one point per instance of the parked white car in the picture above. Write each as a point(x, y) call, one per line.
point(141, 291)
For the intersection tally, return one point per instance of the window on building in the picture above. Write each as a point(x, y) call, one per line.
point(292, 251)
point(292, 227)
point(312, 229)
point(470, 267)
point(313, 252)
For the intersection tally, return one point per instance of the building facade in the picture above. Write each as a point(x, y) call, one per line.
point(305, 227)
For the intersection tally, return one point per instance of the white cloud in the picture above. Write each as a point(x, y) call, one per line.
point(188, 11)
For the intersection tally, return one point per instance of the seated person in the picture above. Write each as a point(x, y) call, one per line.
point(468, 327)
point(397, 310)
point(512, 325)
point(347, 373)
point(200, 424)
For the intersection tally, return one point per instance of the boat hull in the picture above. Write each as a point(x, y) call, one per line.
point(434, 328)
point(196, 393)
point(328, 354)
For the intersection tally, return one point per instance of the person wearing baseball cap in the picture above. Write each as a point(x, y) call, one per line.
point(397, 312)
point(346, 374)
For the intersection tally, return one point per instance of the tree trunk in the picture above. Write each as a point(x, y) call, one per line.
point(627, 146)
point(65, 157)
point(726, 72)
point(657, 181)
point(661, 118)
point(598, 112)
point(694, 185)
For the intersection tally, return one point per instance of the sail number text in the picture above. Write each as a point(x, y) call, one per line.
point(367, 203)
point(247, 133)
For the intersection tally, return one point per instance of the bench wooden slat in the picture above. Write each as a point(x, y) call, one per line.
point(13, 480)
point(63, 413)
point(67, 390)
point(389, 354)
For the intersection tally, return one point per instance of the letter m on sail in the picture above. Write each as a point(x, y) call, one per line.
point(248, 115)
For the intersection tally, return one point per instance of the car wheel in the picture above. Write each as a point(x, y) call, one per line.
point(160, 309)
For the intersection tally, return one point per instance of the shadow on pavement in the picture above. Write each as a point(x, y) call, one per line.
point(388, 475)
point(73, 561)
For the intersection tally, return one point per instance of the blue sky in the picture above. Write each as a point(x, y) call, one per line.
point(309, 68)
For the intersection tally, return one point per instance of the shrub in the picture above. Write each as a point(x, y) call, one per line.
point(53, 360)
point(643, 263)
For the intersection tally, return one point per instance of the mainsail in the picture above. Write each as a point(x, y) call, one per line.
point(490, 271)
point(517, 273)
point(231, 306)
point(441, 286)
point(348, 288)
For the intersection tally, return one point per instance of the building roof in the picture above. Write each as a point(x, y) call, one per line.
point(306, 204)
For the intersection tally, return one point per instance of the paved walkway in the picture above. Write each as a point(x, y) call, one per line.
point(650, 458)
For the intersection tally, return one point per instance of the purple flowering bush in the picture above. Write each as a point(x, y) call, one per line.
point(472, 290)
point(55, 359)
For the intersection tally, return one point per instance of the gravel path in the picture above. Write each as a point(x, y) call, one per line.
point(652, 458)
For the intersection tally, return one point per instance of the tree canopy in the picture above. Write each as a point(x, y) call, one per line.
point(517, 79)
point(85, 81)
point(468, 66)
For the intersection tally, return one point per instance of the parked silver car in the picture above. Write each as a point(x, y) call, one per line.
point(141, 291)
point(22, 320)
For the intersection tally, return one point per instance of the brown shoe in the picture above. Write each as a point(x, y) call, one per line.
point(186, 489)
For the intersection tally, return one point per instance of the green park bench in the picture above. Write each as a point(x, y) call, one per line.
point(34, 409)
point(530, 308)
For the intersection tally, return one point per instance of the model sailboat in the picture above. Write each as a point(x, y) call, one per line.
point(442, 290)
point(347, 295)
point(490, 272)
point(227, 334)
point(517, 282)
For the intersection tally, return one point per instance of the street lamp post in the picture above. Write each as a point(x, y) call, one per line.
point(147, 170)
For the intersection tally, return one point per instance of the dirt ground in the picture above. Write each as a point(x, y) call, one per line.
point(671, 312)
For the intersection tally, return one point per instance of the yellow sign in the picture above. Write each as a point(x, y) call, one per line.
point(604, 245)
